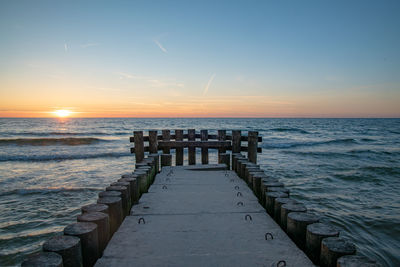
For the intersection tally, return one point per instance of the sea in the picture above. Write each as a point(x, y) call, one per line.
point(346, 170)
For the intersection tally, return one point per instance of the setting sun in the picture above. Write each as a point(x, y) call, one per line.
point(62, 113)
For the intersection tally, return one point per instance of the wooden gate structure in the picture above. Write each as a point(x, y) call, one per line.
point(153, 143)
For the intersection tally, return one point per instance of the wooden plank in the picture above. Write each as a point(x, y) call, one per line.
point(192, 150)
point(228, 148)
point(204, 150)
point(194, 144)
point(179, 150)
point(185, 136)
point(166, 135)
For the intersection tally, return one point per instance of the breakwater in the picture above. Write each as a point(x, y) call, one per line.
point(235, 145)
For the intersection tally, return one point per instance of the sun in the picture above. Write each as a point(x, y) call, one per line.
point(62, 113)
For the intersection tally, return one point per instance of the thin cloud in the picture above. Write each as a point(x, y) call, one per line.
point(89, 45)
point(160, 46)
point(65, 47)
point(208, 84)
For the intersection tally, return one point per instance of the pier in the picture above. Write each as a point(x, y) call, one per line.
point(205, 216)
point(165, 213)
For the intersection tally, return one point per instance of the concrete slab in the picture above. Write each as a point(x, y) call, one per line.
point(192, 219)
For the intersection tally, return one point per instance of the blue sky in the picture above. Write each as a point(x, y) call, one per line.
point(267, 58)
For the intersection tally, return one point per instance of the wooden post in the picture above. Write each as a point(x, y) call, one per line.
point(103, 226)
point(166, 136)
point(252, 143)
point(192, 150)
point(69, 247)
point(153, 142)
point(139, 145)
point(333, 248)
point(297, 226)
point(204, 150)
point(88, 234)
point(224, 158)
point(315, 233)
point(179, 150)
point(221, 137)
point(166, 160)
point(115, 211)
point(236, 142)
point(124, 196)
point(286, 209)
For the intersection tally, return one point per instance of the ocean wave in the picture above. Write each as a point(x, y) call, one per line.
point(307, 144)
point(369, 151)
point(289, 130)
point(322, 154)
point(38, 158)
point(382, 170)
point(51, 141)
point(49, 190)
point(64, 133)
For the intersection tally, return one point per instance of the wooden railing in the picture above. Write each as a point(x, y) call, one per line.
point(192, 140)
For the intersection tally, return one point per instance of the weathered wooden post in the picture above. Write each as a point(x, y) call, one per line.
point(179, 150)
point(166, 136)
point(134, 188)
point(166, 160)
point(222, 137)
point(290, 207)
point(103, 226)
point(115, 211)
point(139, 145)
point(153, 142)
point(332, 248)
point(128, 194)
point(252, 142)
point(88, 234)
point(43, 259)
point(270, 201)
point(156, 158)
point(277, 207)
point(204, 150)
point(315, 233)
point(297, 226)
point(69, 247)
point(192, 150)
point(224, 158)
point(124, 196)
point(236, 141)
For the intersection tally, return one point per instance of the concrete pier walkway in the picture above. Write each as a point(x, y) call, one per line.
point(200, 216)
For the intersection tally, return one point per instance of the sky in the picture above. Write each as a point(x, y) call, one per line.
point(200, 58)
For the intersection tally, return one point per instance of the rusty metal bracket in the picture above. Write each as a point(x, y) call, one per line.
point(281, 263)
point(268, 234)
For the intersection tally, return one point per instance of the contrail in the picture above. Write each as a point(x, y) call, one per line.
point(160, 46)
point(208, 84)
